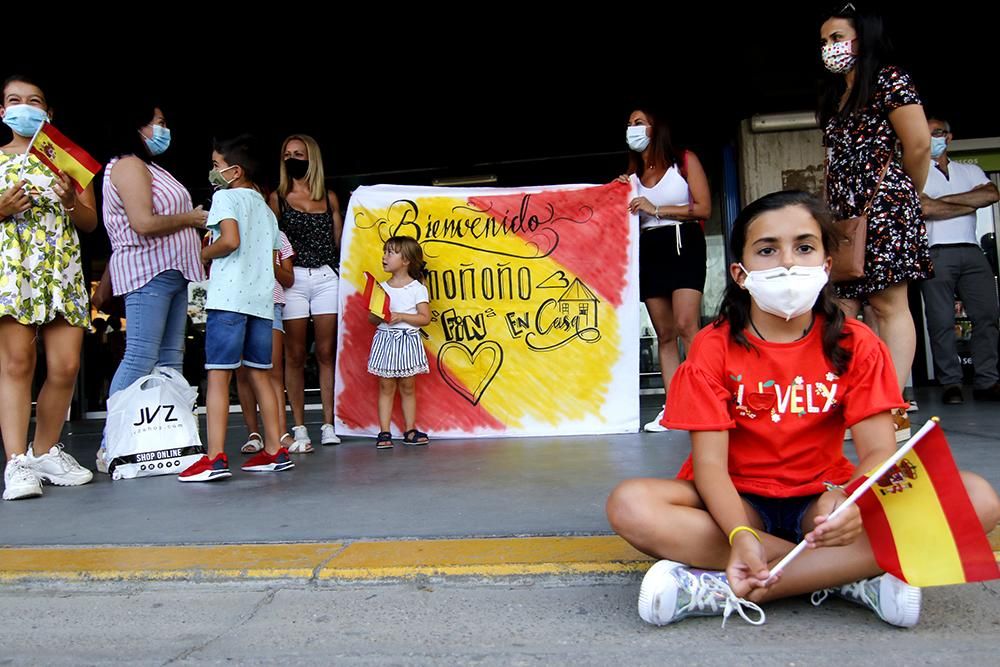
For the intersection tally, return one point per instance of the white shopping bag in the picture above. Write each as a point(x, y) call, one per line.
point(151, 429)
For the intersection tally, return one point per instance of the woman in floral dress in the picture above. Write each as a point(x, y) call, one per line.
point(872, 117)
point(42, 296)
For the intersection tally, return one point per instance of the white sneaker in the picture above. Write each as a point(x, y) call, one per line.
point(655, 426)
point(19, 480)
point(913, 407)
point(895, 601)
point(671, 592)
point(328, 436)
point(57, 467)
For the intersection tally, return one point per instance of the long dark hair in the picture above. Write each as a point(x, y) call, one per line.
point(735, 307)
point(873, 51)
point(127, 116)
point(662, 146)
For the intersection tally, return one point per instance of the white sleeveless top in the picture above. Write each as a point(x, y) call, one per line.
point(671, 190)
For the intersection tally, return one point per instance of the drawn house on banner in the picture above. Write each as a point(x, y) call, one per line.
point(579, 301)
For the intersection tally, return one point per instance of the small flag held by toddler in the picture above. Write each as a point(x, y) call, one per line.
point(377, 299)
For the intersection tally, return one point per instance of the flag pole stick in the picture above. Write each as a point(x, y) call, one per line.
point(853, 498)
point(24, 162)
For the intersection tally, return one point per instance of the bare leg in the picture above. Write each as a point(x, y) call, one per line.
point(895, 328)
point(260, 379)
point(63, 343)
point(248, 401)
point(217, 404)
point(326, 351)
point(17, 368)
point(408, 400)
point(386, 397)
point(278, 380)
point(295, 367)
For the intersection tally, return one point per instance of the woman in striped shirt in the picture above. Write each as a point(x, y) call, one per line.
point(156, 248)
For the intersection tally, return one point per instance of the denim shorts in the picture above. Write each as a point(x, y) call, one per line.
point(279, 321)
point(235, 338)
point(782, 517)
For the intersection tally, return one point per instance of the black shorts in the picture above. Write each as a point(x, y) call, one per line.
point(662, 269)
point(782, 517)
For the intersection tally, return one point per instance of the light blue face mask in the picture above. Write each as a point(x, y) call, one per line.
point(24, 119)
point(160, 140)
point(938, 146)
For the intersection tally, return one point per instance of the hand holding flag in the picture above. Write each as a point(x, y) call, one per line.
point(376, 298)
point(64, 157)
point(920, 522)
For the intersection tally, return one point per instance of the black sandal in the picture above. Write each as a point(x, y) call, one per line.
point(415, 437)
point(384, 440)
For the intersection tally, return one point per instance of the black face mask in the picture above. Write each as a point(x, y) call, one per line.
point(296, 168)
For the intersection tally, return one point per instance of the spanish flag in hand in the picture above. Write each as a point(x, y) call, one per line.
point(921, 524)
point(64, 157)
point(376, 298)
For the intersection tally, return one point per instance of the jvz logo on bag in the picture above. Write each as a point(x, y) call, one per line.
point(148, 415)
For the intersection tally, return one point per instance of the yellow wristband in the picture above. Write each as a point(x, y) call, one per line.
point(737, 529)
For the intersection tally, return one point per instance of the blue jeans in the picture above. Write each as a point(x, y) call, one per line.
point(156, 317)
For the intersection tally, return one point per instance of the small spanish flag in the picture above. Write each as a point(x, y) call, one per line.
point(64, 157)
point(920, 521)
point(376, 298)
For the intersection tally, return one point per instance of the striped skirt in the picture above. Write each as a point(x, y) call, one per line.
point(397, 353)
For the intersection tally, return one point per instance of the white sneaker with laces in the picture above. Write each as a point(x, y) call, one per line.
point(655, 426)
point(328, 436)
point(19, 480)
point(57, 467)
point(895, 601)
point(671, 592)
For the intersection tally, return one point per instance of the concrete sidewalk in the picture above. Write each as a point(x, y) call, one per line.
point(348, 513)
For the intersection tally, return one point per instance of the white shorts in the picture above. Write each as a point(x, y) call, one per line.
point(314, 292)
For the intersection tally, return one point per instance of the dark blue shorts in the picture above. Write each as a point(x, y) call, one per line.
point(232, 339)
point(782, 517)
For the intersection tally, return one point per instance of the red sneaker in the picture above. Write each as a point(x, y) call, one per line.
point(207, 470)
point(265, 462)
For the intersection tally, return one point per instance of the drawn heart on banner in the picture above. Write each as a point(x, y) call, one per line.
point(477, 367)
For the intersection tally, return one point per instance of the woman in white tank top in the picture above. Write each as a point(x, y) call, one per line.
point(672, 196)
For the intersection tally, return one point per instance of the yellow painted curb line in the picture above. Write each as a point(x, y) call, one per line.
point(357, 561)
point(353, 562)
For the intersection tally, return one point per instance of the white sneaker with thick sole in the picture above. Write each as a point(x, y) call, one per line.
point(655, 426)
point(19, 480)
point(328, 436)
point(671, 592)
point(57, 467)
point(895, 601)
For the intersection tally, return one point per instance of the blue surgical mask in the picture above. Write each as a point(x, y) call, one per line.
point(160, 140)
point(24, 119)
point(938, 146)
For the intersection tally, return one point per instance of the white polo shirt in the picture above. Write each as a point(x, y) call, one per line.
point(961, 178)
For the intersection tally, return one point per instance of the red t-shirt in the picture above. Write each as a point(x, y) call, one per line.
point(784, 406)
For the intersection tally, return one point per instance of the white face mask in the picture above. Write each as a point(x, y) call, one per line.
point(838, 56)
point(635, 137)
point(785, 292)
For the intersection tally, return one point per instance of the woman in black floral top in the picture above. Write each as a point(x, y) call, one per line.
point(872, 115)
